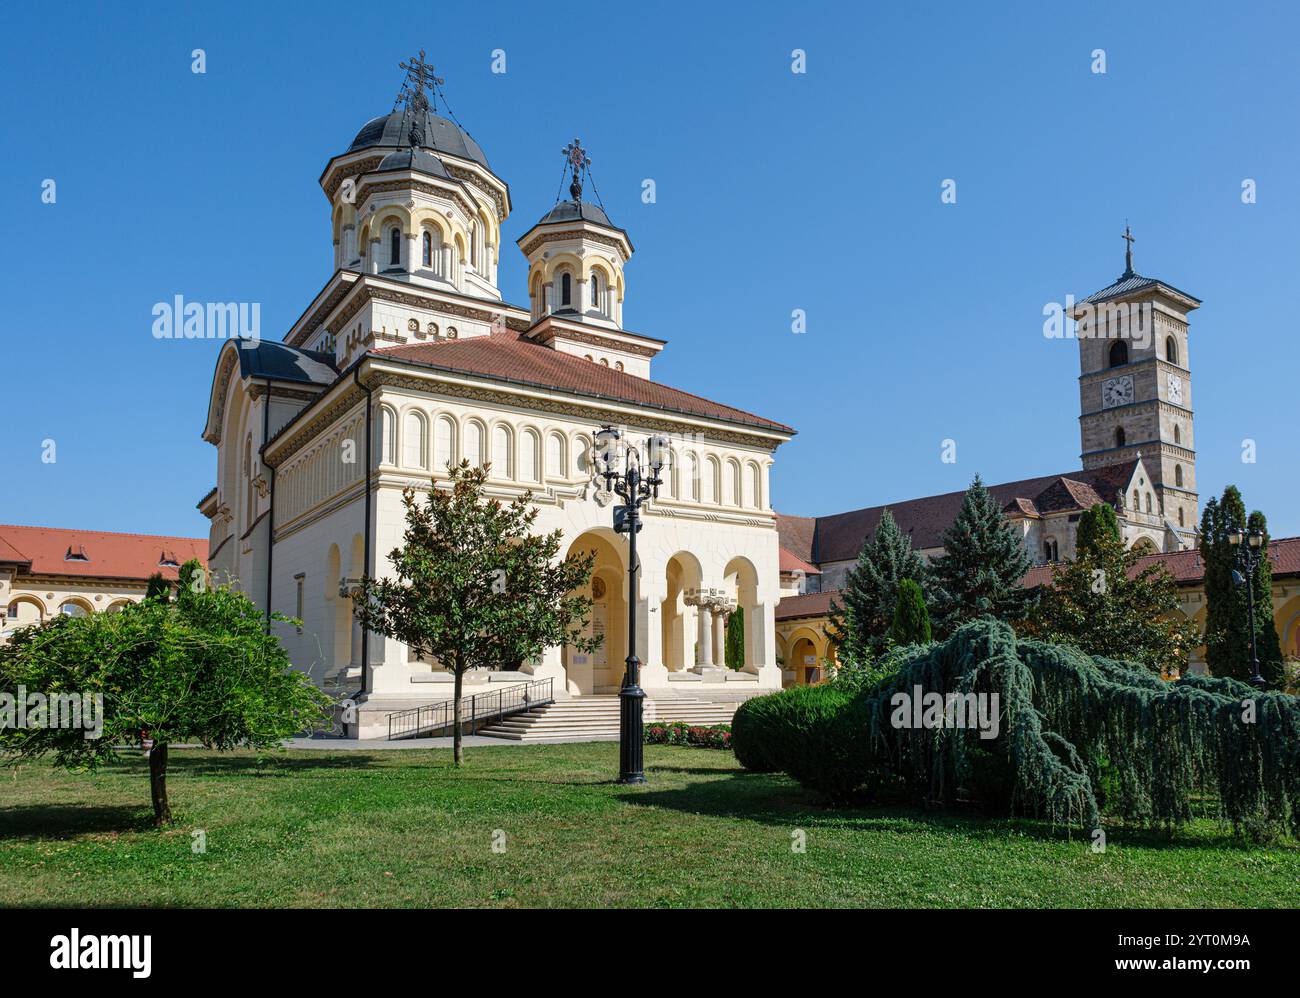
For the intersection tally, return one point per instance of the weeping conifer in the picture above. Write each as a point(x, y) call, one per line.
point(1077, 735)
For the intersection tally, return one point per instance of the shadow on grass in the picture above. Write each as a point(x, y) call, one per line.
point(209, 764)
point(777, 800)
point(44, 822)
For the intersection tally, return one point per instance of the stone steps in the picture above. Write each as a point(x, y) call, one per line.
point(596, 718)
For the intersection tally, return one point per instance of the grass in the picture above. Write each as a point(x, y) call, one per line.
point(398, 828)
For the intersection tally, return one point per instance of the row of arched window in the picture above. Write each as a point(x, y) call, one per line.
point(325, 469)
point(530, 456)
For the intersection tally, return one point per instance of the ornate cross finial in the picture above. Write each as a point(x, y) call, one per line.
point(419, 78)
point(578, 161)
point(1128, 251)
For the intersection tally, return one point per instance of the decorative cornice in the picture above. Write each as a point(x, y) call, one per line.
point(367, 291)
point(547, 237)
point(595, 339)
point(470, 177)
point(280, 450)
point(353, 169)
point(372, 187)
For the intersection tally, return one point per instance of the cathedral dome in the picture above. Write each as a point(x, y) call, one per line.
point(440, 135)
point(574, 211)
point(413, 159)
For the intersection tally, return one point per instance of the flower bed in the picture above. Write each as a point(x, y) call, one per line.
point(716, 736)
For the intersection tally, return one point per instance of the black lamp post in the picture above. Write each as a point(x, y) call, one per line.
point(634, 491)
point(1247, 556)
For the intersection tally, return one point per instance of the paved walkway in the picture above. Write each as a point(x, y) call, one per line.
point(370, 744)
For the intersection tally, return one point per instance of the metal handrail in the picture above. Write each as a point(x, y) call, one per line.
point(434, 716)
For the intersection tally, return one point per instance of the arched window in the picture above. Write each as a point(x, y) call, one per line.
point(1178, 475)
point(427, 256)
point(474, 444)
point(595, 291)
point(1118, 353)
point(566, 288)
point(473, 245)
point(1137, 501)
point(1171, 350)
point(1180, 517)
point(387, 434)
point(1148, 502)
point(555, 456)
point(394, 246)
point(413, 440)
point(1119, 436)
point(444, 443)
point(1178, 434)
point(1051, 550)
point(501, 463)
point(691, 485)
point(528, 456)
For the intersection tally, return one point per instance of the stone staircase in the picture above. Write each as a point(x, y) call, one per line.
point(595, 718)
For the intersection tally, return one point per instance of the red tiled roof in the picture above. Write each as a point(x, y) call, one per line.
point(840, 537)
point(807, 605)
point(510, 357)
point(44, 551)
point(1186, 566)
point(793, 563)
point(796, 534)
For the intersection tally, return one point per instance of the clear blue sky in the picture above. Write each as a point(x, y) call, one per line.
point(776, 191)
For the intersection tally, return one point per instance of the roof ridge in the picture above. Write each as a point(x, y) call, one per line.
point(111, 533)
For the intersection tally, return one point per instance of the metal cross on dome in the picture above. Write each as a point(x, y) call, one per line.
point(419, 78)
point(578, 161)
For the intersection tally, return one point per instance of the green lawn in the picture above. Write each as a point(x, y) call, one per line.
point(403, 828)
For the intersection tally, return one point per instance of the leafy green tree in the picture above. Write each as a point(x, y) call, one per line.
point(1227, 616)
point(1102, 604)
point(734, 652)
point(474, 588)
point(201, 668)
point(911, 624)
point(864, 612)
point(982, 566)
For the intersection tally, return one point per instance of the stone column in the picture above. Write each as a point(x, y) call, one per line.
point(372, 259)
point(412, 253)
point(705, 647)
point(720, 633)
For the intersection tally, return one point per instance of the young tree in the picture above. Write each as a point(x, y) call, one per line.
point(1227, 616)
point(201, 668)
point(984, 560)
point(861, 622)
point(911, 624)
point(734, 653)
point(1104, 605)
point(473, 587)
point(157, 588)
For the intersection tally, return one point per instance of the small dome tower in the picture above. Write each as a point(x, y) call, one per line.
point(576, 256)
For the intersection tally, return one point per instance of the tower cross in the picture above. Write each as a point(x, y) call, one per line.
point(419, 78)
point(1128, 251)
point(578, 160)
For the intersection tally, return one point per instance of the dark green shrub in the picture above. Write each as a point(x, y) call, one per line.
point(806, 731)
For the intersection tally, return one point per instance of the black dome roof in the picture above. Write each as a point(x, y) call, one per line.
point(573, 211)
point(440, 135)
point(413, 159)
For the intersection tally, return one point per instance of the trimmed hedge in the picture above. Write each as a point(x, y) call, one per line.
point(715, 736)
point(806, 731)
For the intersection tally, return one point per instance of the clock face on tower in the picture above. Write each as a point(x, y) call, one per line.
point(1116, 391)
point(1175, 389)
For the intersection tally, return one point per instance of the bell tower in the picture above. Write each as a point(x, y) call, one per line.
point(1135, 389)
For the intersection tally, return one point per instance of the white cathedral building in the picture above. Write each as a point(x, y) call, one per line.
point(410, 358)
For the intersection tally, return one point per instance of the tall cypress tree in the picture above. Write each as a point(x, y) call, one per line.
point(1227, 618)
point(984, 560)
point(1097, 526)
point(862, 617)
point(911, 624)
point(734, 644)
